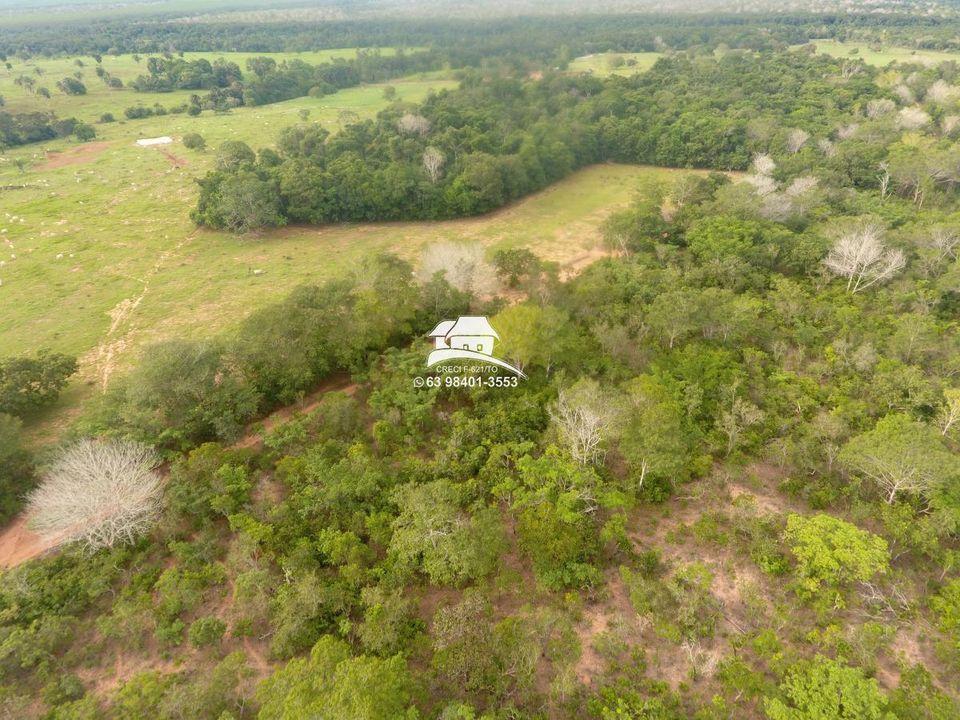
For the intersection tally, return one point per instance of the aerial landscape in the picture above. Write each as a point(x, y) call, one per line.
point(431, 360)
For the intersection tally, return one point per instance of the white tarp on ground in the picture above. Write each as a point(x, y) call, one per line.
point(147, 142)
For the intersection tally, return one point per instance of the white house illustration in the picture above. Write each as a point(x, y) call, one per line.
point(468, 332)
point(469, 337)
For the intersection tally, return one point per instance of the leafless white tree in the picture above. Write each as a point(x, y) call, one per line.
point(879, 108)
point(763, 164)
point(949, 414)
point(950, 124)
point(97, 493)
point(796, 139)
point(849, 68)
point(411, 124)
point(433, 161)
point(739, 415)
point(802, 185)
point(941, 92)
point(905, 94)
point(861, 256)
point(937, 248)
point(763, 185)
point(583, 415)
point(827, 147)
point(845, 132)
point(462, 264)
point(884, 179)
point(912, 118)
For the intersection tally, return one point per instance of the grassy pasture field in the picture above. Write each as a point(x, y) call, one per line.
point(100, 99)
point(883, 56)
point(611, 63)
point(98, 256)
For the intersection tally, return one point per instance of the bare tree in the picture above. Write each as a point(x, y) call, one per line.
point(763, 164)
point(912, 118)
point(410, 124)
point(97, 493)
point(583, 415)
point(939, 247)
point(949, 414)
point(941, 92)
point(827, 147)
point(884, 179)
point(845, 132)
point(796, 139)
point(879, 108)
point(950, 124)
point(905, 94)
point(739, 415)
point(433, 161)
point(861, 256)
point(462, 264)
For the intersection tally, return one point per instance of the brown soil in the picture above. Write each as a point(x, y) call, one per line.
point(253, 437)
point(87, 152)
point(177, 162)
point(18, 543)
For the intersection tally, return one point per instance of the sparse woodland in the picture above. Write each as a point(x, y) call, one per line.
point(728, 488)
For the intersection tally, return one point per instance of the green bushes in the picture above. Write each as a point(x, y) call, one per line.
point(832, 553)
point(28, 383)
point(194, 141)
point(16, 467)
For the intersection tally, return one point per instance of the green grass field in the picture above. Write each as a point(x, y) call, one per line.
point(603, 64)
point(101, 99)
point(98, 256)
point(872, 55)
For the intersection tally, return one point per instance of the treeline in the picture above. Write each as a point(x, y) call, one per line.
point(510, 39)
point(494, 139)
point(268, 81)
point(183, 393)
point(174, 73)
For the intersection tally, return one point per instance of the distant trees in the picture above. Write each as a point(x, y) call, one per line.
point(97, 493)
point(194, 141)
point(860, 255)
point(72, 86)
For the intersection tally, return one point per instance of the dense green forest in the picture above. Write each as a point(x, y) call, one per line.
point(471, 150)
point(728, 486)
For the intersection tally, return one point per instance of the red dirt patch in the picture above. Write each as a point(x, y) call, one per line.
point(18, 543)
point(73, 156)
point(177, 162)
point(254, 435)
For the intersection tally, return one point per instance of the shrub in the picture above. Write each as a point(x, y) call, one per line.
point(194, 141)
point(107, 118)
point(84, 132)
point(206, 631)
point(28, 383)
